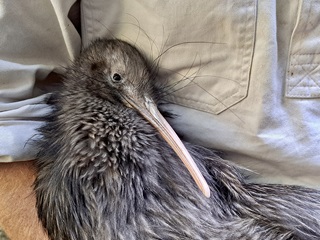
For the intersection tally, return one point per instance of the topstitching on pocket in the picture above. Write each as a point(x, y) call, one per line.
point(303, 73)
point(222, 79)
point(205, 47)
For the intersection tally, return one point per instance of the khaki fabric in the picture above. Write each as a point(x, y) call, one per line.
point(36, 38)
point(246, 74)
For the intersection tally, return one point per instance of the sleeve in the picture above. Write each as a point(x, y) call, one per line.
point(37, 37)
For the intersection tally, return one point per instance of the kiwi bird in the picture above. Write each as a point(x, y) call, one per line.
point(109, 166)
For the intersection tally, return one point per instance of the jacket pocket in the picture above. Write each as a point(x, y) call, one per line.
point(221, 79)
point(303, 72)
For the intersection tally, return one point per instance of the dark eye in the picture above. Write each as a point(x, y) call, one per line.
point(116, 77)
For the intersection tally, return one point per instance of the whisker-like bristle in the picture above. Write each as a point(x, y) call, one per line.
point(104, 172)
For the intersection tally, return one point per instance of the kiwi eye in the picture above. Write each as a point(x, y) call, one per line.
point(116, 77)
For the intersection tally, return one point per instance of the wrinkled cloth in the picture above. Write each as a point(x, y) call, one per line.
point(36, 38)
point(245, 74)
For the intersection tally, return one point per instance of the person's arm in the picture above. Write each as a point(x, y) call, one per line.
point(18, 217)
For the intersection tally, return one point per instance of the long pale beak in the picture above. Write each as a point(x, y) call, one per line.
point(148, 109)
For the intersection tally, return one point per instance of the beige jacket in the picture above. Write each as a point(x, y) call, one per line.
point(248, 72)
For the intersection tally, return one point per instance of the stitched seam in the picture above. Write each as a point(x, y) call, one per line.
point(307, 74)
point(243, 78)
point(302, 64)
point(222, 102)
point(301, 54)
point(237, 90)
point(311, 77)
point(292, 87)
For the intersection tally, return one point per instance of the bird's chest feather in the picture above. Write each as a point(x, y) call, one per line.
point(106, 134)
point(114, 166)
point(106, 162)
